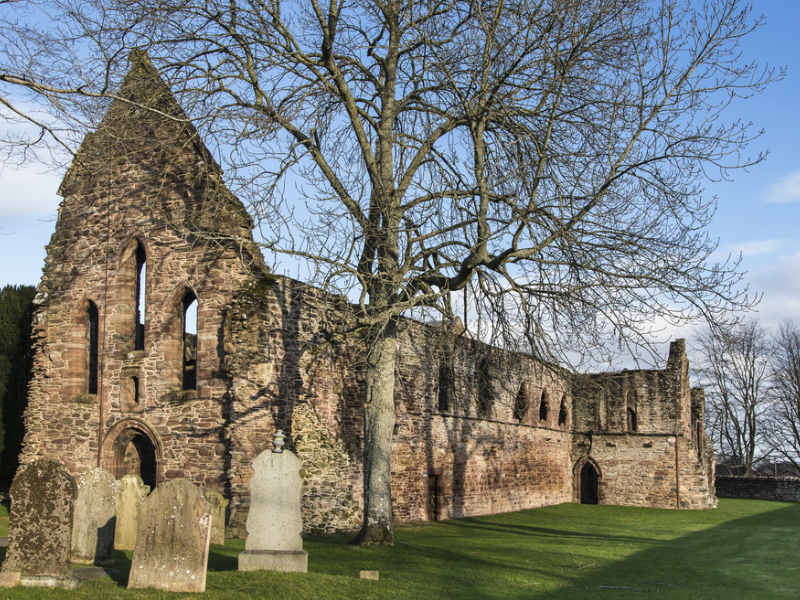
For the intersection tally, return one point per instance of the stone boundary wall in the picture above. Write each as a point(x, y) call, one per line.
point(784, 489)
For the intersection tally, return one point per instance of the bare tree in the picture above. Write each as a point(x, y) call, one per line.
point(784, 436)
point(735, 372)
point(543, 155)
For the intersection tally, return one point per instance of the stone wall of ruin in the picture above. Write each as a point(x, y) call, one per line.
point(479, 430)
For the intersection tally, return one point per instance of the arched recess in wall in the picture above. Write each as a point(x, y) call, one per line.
point(133, 271)
point(189, 307)
point(586, 481)
point(544, 406)
point(562, 411)
point(131, 447)
point(93, 338)
point(178, 338)
point(631, 418)
point(521, 402)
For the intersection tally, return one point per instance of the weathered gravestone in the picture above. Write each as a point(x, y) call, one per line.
point(274, 520)
point(40, 527)
point(132, 491)
point(216, 506)
point(172, 541)
point(94, 517)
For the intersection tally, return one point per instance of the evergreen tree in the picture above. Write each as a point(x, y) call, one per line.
point(16, 310)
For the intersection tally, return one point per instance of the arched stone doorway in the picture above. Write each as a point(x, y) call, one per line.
point(131, 448)
point(589, 483)
point(587, 477)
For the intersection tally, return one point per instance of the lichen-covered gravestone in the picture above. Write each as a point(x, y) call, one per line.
point(132, 491)
point(275, 520)
point(216, 506)
point(172, 541)
point(40, 527)
point(94, 518)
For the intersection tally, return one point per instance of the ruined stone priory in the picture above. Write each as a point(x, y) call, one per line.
point(165, 348)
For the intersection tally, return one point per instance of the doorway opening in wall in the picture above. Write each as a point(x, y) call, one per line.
point(433, 496)
point(589, 484)
point(133, 453)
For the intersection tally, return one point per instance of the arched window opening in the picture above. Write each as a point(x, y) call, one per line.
point(94, 339)
point(521, 403)
point(632, 423)
point(141, 293)
point(562, 413)
point(189, 354)
point(485, 391)
point(543, 408)
point(446, 380)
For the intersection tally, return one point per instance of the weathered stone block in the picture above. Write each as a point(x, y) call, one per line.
point(94, 520)
point(40, 526)
point(275, 521)
point(132, 492)
point(172, 541)
point(217, 504)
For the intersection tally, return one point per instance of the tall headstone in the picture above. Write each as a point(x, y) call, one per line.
point(132, 492)
point(94, 517)
point(40, 527)
point(216, 506)
point(172, 541)
point(275, 520)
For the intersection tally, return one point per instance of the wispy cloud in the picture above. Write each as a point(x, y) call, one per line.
point(786, 190)
point(28, 190)
point(753, 248)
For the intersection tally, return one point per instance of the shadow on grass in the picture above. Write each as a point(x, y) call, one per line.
point(750, 557)
point(506, 528)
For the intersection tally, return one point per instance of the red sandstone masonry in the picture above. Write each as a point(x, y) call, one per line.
point(268, 356)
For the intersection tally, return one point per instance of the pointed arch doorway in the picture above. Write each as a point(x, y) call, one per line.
point(131, 448)
point(587, 481)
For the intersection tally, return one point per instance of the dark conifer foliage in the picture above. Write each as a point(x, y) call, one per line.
point(16, 309)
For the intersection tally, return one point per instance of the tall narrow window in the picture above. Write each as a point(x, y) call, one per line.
point(562, 413)
point(521, 403)
point(445, 385)
point(632, 424)
point(141, 293)
point(543, 408)
point(94, 327)
point(189, 341)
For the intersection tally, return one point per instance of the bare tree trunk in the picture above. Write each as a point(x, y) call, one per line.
point(378, 430)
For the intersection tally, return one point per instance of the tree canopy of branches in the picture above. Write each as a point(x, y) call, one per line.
point(784, 420)
point(736, 374)
point(543, 155)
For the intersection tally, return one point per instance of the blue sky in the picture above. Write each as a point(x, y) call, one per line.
point(758, 214)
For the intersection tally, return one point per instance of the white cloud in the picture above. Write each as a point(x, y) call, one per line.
point(780, 283)
point(786, 190)
point(755, 248)
point(28, 190)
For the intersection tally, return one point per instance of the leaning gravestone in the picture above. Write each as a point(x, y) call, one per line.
point(40, 527)
point(172, 541)
point(132, 491)
point(216, 506)
point(94, 519)
point(274, 520)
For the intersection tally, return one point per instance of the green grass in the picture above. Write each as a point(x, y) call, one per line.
point(743, 549)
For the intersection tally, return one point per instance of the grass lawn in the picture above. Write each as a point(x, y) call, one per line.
point(743, 549)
